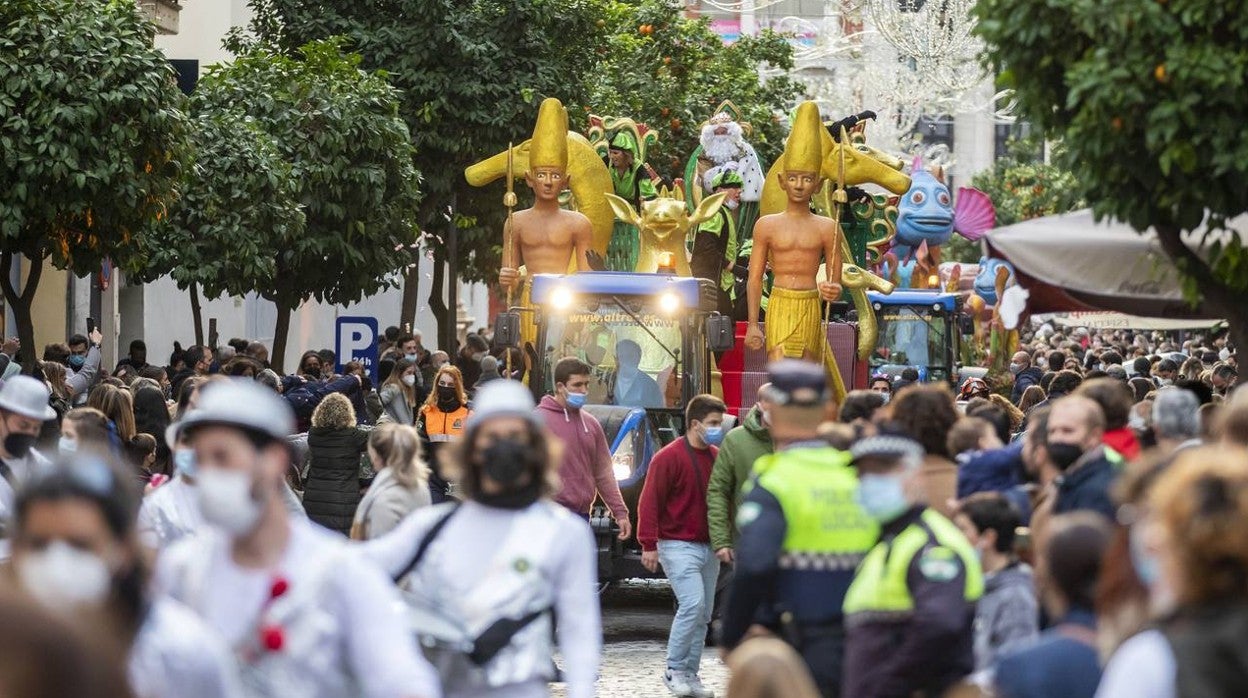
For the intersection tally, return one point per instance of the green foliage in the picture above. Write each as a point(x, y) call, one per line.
point(315, 131)
point(1149, 99)
point(668, 71)
point(473, 72)
point(92, 132)
point(1023, 186)
point(240, 206)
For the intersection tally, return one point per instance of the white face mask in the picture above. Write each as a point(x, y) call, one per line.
point(226, 502)
point(409, 380)
point(61, 575)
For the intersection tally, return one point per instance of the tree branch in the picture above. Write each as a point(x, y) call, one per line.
point(1171, 239)
point(6, 269)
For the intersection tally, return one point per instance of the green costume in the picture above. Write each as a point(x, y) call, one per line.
point(634, 186)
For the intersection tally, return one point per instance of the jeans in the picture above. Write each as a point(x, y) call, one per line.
point(692, 569)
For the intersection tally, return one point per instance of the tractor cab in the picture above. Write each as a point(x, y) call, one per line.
point(917, 329)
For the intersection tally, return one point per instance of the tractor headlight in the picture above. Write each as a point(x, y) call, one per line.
point(561, 298)
point(669, 303)
point(622, 460)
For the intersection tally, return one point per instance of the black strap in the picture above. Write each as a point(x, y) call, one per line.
point(499, 635)
point(425, 543)
point(7, 474)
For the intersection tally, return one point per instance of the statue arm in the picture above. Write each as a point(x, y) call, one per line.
point(758, 266)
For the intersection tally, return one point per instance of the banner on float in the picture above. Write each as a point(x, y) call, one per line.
point(1105, 320)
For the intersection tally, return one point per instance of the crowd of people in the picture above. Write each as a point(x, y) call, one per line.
point(213, 528)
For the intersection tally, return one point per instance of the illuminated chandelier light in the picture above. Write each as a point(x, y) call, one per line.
point(927, 30)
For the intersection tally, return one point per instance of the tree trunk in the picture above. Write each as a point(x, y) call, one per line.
point(1218, 296)
point(277, 358)
point(197, 315)
point(20, 302)
point(437, 305)
point(411, 294)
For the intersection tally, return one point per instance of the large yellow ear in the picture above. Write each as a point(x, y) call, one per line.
point(707, 209)
point(623, 210)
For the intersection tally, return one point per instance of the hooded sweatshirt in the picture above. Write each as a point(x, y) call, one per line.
point(733, 464)
point(1007, 616)
point(585, 466)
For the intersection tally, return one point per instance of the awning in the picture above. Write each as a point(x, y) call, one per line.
point(1071, 263)
point(1105, 320)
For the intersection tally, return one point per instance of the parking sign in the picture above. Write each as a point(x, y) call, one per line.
point(357, 341)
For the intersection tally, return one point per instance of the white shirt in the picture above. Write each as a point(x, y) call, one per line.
point(1143, 667)
point(350, 638)
point(22, 469)
point(571, 569)
point(176, 655)
point(169, 513)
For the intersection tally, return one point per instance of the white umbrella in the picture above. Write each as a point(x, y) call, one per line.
point(1070, 262)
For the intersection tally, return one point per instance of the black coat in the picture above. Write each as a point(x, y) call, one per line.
point(332, 489)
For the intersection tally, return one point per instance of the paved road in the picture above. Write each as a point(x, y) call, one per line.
point(636, 617)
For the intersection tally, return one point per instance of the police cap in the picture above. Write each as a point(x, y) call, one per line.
point(796, 383)
point(886, 447)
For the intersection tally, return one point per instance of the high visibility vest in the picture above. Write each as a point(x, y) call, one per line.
point(826, 529)
point(880, 585)
point(444, 426)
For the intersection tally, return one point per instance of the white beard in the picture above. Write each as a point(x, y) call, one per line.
point(725, 148)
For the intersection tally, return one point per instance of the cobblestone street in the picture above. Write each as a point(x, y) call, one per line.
point(636, 616)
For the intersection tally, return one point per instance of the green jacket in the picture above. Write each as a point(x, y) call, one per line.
point(741, 447)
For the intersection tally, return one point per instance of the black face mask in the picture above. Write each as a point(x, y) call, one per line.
point(1064, 455)
point(448, 398)
point(505, 461)
point(18, 445)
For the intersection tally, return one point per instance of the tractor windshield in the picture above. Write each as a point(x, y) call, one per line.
point(630, 350)
point(912, 336)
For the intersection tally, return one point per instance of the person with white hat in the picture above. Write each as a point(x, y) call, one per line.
point(483, 578)
point(23, 410)
point(304, 613)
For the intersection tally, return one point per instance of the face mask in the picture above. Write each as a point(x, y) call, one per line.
point(766, 415)
point(882, 497)
point(18, 445)
point(505, 461)
point(1137, 422)
point(478, 356)
point(61, 575)
point(184, 461)
point(67, 445)
point(409, 380)
point(76, 362)
point(1016, 369)
point(714, 436)
point(226, 502)
point(887, 397)
point(1064, 455)
point(447, 394)
point(411, 357)
point(1165, 382)
point(731, 205)
point(576, 400)
point(1146, 567)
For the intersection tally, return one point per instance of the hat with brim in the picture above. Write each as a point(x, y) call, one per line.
point(238, 403)
point(28, 397)
point(503, 398)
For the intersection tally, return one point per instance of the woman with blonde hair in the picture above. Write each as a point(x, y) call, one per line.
point(118, 406)
point(1190, 548)
point(767, 667)
point(442, 420)
point(331, 492)
point(401, 485)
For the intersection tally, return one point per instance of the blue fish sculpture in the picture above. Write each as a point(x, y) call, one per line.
point(927, 213)
point(986, 279)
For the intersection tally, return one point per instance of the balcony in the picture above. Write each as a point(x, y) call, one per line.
point(162, 13)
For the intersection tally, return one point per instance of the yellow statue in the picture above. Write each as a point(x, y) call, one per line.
point(664, 222)
point(547, 239)
point(794, 241)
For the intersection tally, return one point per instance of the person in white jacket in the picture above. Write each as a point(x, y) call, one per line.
point(485, 618)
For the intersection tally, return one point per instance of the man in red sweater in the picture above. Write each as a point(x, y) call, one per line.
point(672, 530)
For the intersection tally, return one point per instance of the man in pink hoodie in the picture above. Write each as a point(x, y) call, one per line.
point(585, 466)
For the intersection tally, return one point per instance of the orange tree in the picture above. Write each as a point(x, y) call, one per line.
point(91, 136)
point(1149, 99)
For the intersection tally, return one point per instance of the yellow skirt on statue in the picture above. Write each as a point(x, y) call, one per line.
point(528, 325)
point(795, 326)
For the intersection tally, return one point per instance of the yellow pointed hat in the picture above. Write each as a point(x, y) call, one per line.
point(803, 152)
point(549, 147)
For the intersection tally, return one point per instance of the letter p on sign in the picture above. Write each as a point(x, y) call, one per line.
point(357, 341)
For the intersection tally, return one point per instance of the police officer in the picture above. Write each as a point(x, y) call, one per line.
point(802, 533)
point(909, 612)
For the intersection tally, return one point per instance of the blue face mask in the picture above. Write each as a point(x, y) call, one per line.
point(411, 357)
point(1145, 564)
point(882, 497)
point(76, 362)
point(576, 400)
point(184, 461)
point(713, 435)
point(67, 445)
